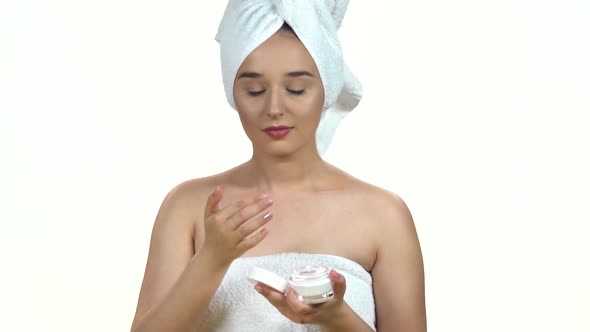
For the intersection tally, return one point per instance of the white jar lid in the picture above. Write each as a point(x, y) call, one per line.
point(268, 278)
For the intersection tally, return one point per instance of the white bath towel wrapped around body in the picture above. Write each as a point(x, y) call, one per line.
point(237, 306)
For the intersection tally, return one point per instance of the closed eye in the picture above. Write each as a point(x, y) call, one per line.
point(296, 92)
point(256, 93)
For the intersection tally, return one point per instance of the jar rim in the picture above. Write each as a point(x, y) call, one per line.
point(310, 273)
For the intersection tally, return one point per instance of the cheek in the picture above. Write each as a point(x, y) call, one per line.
point(249, 124)
point(308, 106)
point(249, 110)
point(318, 98)
point(247, 119)
point(246, 103)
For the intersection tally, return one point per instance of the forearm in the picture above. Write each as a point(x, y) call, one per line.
point(347, 320)
point(186, 304)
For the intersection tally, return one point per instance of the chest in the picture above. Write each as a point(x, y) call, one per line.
point(330, 224)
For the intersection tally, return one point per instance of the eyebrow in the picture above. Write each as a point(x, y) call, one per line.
point(251, 74)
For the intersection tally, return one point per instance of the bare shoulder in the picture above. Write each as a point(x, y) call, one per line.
point(185, 202)
point(390, 213)
point(190, 189)
point(384, 206)
point(392, 209)
point(172, 240)
point(382, 214)
point(398, 271)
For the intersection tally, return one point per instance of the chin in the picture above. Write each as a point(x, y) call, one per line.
point(279, 152)
point(279, 149)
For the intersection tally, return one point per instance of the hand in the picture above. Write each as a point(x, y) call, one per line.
point(231, 231)
point(291, 307)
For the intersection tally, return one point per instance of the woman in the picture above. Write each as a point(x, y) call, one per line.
point(284, 207)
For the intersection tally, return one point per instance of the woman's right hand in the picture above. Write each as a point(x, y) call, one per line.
point(234, 229)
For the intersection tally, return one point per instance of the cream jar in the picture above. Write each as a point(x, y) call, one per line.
point(312, 283)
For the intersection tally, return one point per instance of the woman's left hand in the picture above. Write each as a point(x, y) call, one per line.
point(291, 307)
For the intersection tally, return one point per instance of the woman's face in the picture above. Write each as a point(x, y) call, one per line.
point(278, 84)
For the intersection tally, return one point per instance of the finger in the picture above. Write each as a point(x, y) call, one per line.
point(251, 241)
point(248, 212)
point(273, 296)
point(296, 305)
point(338, 284)
point(231, 209)
point(212, 201)
point(251, 226)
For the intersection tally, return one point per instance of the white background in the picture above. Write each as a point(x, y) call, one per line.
point(475, 113)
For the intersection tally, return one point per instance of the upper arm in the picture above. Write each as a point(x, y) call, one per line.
point(398, 273)
point(171, 247)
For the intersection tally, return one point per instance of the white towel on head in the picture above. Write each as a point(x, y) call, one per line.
point(248, 23)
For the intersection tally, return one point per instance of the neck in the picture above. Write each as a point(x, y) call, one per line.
point(298, 171)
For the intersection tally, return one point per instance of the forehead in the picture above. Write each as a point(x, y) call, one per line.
point(282, 52)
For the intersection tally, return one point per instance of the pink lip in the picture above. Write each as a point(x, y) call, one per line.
point(277, 132)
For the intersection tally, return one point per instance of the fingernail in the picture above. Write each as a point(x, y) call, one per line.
point(267, 215)
point(258, 289)
point(268, 200)
point(263, 196)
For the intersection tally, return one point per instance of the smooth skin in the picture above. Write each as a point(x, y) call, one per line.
point(205, 224)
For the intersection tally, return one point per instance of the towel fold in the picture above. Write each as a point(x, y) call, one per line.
point(248, 23)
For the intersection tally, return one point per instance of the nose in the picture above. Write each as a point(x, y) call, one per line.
point(274, 106)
